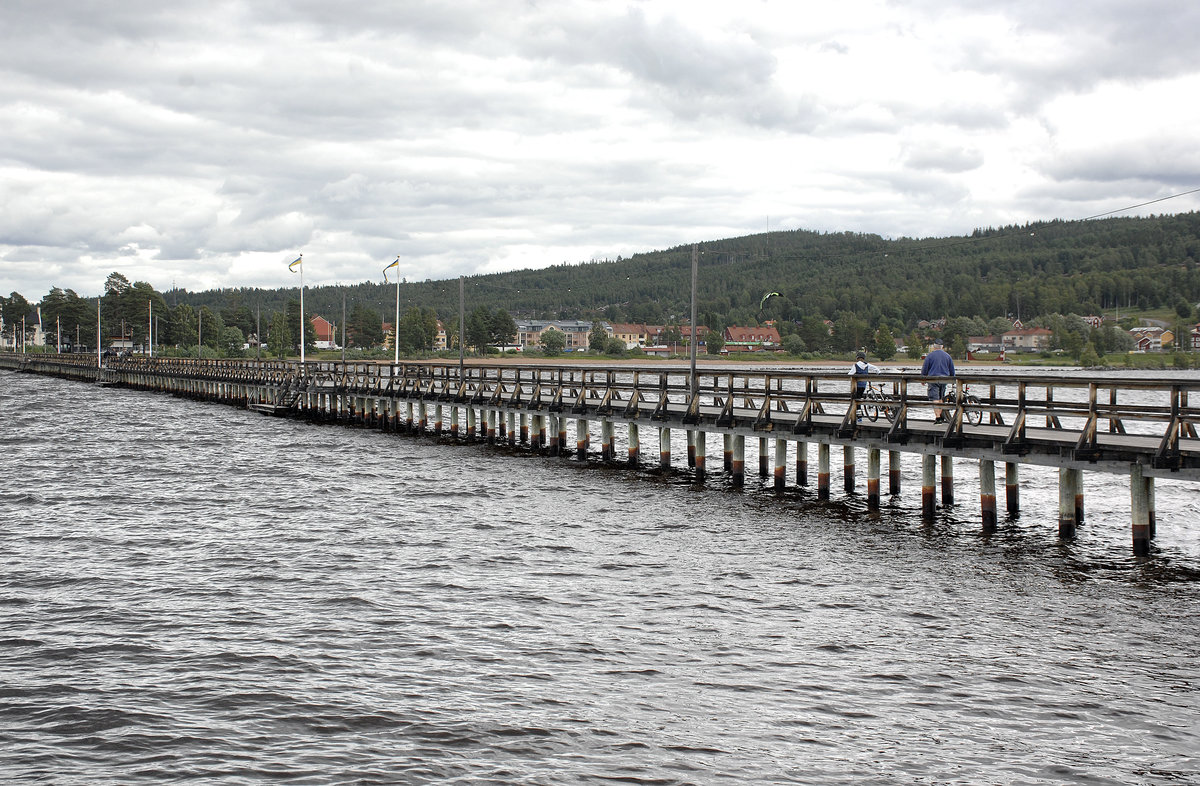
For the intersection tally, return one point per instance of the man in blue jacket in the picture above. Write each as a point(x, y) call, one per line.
point(938, 363)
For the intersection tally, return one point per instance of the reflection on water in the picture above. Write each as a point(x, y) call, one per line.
point(197, 593)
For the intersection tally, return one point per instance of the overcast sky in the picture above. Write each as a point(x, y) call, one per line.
point(206, 144)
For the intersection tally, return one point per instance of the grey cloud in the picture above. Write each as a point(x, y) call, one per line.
point(942, 158)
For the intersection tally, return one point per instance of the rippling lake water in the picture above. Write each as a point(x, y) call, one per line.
point(194, 593)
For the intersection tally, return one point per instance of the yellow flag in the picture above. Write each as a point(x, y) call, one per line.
point(297, 261)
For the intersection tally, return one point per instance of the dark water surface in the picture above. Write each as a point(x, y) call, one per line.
point(194, 593)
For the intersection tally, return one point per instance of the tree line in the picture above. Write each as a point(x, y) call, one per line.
point(867, 287)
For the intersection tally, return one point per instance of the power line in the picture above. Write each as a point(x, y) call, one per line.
point(1143, 204)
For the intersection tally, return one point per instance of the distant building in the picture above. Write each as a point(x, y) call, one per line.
point(326, 332)
point(1027, 339)
point(529, 332)
point(751, 339)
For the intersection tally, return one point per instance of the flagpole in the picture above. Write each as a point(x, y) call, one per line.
point(396, 324)
point(301, 313)
point(150, 329)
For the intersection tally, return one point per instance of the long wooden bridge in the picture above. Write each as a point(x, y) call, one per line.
point(1143, 428)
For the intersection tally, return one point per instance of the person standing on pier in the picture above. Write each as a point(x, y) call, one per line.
point(938, 363)
point(859, 370)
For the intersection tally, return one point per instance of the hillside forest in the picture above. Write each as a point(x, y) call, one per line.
point(1046, 274)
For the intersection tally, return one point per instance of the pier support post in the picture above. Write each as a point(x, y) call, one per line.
point(928, 467)
point(454, 421)
point(606, 440)
point(848, 468)
point(1139, 498)
point(501, 426)
point(1150, 507)
point(552, 433)
point(738, 464)
point(524, 429)
point(763, 457)
point(437, 419)
point(873, 478)
point(471, 425)
point(635, 445)
point(823, 471)
point(562, 435)
point(512, 428)
point(1077, 482)
point(947, 481)
point(424, 409)
point(987, 494)
point(701, 449)
point(801, 463)
point(780, 464)
point(581, 439)
point(1012, 488)
point(664, 448)
point(1066, 504)
point(691, 448)
point(727, 452)
point(894, 473)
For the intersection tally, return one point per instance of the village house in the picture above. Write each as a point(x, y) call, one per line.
point(1147, 338)
point(326, 332)
point(751, 339)
point(529, 332)
point(632, 335)
point(1027, 339)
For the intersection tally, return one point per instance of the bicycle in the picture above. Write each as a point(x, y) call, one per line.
point(972, 410)
point(873, 403)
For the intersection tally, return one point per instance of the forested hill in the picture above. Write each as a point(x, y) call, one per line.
point(1081, 267)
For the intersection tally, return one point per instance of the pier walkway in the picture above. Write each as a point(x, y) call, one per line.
point(1121, 424)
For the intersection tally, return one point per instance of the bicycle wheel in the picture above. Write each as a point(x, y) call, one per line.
point(870, 406)
point(971, 411)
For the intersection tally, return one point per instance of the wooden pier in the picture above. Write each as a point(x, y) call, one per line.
point(1125, 425)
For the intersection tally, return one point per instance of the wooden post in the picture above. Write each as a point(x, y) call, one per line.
point(562, 436)
point(823, 471)
point(947, 481)
point(727, 452)
point(700, 448)
point(780, 464)
point(691, 448)
point(1012, 488)
point(1140, 509)
point(552, 429)
point(454, 421)
point(606, 440)
point(524, 428)
point(664, 448)
point(1077, 483)
point(928, 502)
point(634, 444)
point(437, 419)
point(801, 463)
point(581, 439)
point(1066, 504)
point(894, 473)
point(987, 494)
point(471, 424)
point(848, 468)
point(738, 464)
point(763, 453)
point(1150, 507)
point(873, 478)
